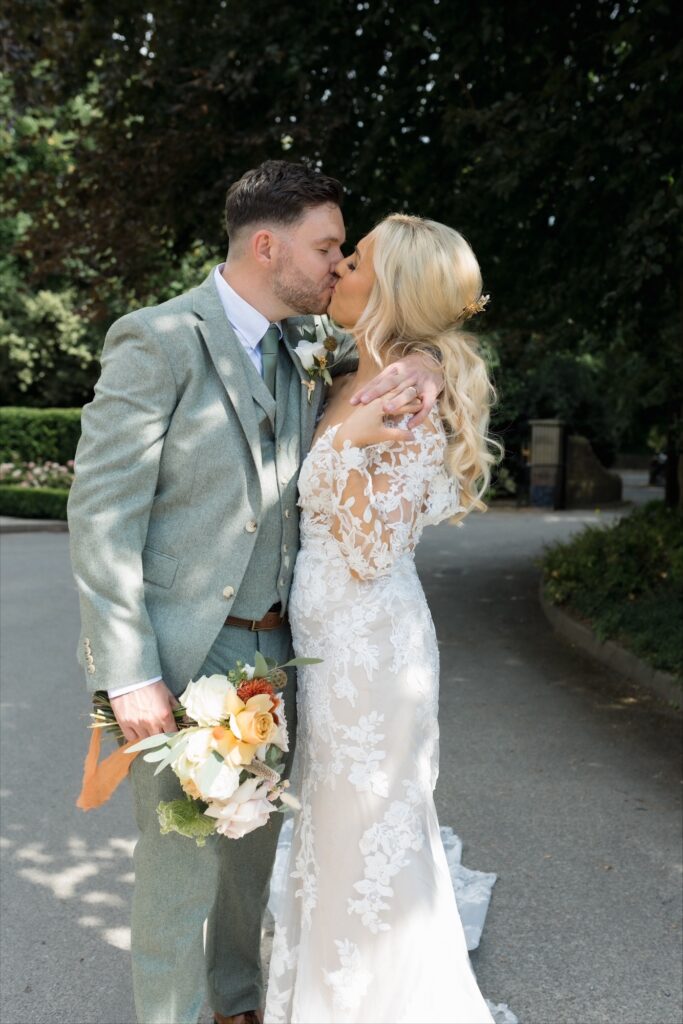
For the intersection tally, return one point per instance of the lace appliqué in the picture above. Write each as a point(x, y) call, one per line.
point(385, 848)
point(350, 983)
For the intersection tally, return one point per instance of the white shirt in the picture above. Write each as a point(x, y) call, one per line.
point(249, 325)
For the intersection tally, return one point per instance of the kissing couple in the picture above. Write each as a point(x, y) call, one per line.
point(228, 499)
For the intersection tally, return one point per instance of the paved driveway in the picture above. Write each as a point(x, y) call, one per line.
point(559, 777)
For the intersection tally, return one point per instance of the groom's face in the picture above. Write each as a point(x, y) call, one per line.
point(305, 257)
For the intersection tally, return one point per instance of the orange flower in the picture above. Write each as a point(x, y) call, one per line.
point(255, 686)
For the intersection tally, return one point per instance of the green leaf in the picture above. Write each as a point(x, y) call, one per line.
point(157, 755)
point(149, 742)
point(302, 661)
point(174, 752)
point(261, 667)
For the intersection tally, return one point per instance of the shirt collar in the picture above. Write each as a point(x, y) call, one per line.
point(246, 321)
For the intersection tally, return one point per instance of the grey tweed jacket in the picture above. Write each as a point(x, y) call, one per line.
point(167, 477)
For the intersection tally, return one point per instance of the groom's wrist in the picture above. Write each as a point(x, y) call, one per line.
point(118, 691)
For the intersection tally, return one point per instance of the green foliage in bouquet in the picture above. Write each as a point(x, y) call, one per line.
point(185, 817)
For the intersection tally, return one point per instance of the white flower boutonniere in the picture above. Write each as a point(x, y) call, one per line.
point(315, 357)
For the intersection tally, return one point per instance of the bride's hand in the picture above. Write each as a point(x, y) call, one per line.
point(417, 375)
point(366, 426)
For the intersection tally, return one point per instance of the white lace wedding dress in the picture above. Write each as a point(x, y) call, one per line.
point(366, 926)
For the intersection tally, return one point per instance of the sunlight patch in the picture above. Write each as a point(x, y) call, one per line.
point(118, 937)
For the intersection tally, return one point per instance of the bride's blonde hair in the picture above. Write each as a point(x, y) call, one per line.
point(428, 283)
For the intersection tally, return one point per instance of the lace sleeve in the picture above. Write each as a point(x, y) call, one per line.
point(384, 494)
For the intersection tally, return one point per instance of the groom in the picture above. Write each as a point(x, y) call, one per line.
point(184, 532)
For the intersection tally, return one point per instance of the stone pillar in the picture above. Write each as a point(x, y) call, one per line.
point(547, 464)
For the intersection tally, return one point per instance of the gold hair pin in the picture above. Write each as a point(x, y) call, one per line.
point(472, 308)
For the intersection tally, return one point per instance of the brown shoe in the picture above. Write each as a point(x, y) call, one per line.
point(249, 1017)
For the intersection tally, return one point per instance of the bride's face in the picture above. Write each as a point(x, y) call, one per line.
point(356, 277)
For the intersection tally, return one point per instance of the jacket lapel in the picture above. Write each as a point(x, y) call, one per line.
point(223, 347)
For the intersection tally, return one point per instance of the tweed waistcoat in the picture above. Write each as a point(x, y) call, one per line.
point(269, 573)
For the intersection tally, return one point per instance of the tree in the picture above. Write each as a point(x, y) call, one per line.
point(551, 137)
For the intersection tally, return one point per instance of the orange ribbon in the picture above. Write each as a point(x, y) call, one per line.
point(101, 779)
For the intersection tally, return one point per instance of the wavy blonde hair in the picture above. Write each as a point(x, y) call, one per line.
point(427, 284)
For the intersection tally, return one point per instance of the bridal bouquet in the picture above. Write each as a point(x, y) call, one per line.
point(228, 752)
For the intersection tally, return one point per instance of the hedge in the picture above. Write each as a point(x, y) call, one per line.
point(626, 581)
point(33, 502)
point(39, 435)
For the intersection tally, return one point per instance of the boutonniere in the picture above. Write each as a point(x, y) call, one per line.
point(316, 358)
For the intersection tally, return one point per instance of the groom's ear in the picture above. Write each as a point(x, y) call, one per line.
point(263, 246)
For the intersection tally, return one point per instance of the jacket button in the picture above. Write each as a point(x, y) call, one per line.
point(251, 526)
point(91, 670)
point(229, 592)
point(287, 513)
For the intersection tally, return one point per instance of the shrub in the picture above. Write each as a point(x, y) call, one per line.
point(33, 502)
point(39, 435)
point(627, 580)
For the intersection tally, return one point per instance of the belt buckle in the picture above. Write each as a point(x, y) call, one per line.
point(253, 628)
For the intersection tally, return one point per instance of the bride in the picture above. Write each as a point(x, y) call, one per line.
point(368, 930)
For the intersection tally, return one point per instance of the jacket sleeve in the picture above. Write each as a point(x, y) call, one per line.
point(117, 466)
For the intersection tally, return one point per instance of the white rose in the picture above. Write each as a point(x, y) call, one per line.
point(198, 747)
point(307, 350)
point(184, 768)
point(205, 699)
point(249, 671)
point(281, 738)
point(247, 810)
point(225, 783)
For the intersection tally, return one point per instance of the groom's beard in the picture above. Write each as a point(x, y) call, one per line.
point(300, 293)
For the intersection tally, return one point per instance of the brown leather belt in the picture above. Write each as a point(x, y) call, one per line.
point(271, 620)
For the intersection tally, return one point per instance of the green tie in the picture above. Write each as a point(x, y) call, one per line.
point(269, 350)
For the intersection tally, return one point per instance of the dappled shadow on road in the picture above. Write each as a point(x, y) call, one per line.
point(75, 873)
point(66, 916)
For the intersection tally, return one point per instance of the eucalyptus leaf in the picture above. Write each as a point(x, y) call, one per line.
point(179, 747)
point(170, 757)
point(156, 755)
point(261, 667)
point(149, 742)
point(174, 753)
point(302, 661)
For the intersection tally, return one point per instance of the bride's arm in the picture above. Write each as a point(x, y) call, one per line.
point(379, 494)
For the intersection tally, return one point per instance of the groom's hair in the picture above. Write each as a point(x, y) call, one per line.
point(278, 192)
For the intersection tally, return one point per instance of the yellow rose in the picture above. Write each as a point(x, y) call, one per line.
point(255, 726)
point(235, 751)
point(252, 722)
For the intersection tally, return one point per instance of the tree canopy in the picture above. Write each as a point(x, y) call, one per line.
point(550, 136)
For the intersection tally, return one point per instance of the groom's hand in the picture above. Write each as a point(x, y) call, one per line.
point(146, 711)
point(410, 385)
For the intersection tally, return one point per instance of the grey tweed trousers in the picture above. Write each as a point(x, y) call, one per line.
point(180, 886)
